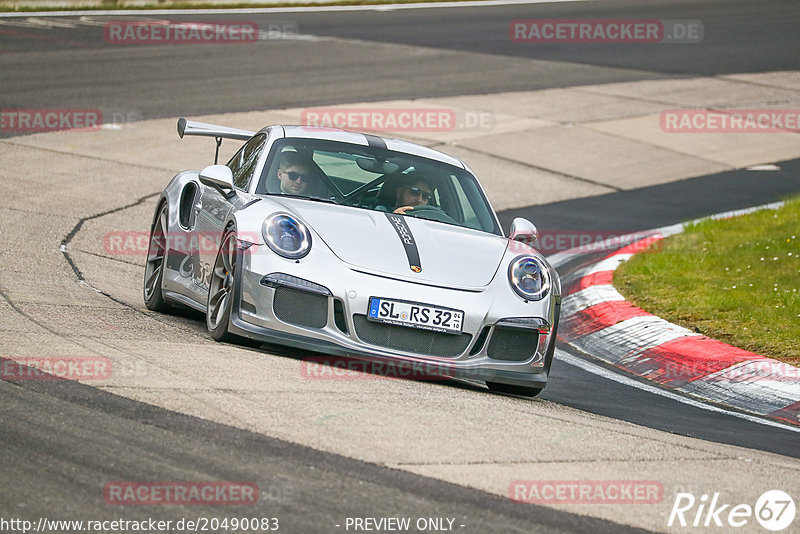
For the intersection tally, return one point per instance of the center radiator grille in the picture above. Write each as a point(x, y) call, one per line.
point(413, 340)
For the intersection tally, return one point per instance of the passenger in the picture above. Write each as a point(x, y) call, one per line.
point(295, 173)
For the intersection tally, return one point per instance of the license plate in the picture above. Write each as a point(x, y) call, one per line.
point(415, 315)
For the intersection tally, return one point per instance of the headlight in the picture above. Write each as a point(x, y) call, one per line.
point(529, 277)
point(286, 235)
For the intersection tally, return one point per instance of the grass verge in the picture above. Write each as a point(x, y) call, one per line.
point(735, 280)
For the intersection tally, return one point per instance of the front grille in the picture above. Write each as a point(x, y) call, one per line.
point(300, 308)
point(409, 339)
point(512, 344)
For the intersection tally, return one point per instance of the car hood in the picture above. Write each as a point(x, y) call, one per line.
point(368, 240)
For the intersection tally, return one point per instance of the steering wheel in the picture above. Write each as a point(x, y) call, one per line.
point(433, 213)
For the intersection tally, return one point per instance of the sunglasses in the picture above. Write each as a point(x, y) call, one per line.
point(416, 191)
point(294, 176)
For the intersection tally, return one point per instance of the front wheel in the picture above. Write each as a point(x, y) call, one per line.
point(156, 261)
point(508, 389)
point(221, 289)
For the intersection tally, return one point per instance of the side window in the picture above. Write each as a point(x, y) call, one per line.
point(243, 164)
point(470, 219)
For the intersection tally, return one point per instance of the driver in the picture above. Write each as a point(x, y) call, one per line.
point(416, 190)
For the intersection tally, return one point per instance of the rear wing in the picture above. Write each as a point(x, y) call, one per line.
point(219, 133)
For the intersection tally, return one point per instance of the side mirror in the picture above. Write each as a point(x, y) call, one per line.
point(217, 176)
point(524, 231)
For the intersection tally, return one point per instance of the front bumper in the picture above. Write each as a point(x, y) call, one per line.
point(505, 339)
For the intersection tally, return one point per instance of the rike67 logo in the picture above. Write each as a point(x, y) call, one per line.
point(774, 510)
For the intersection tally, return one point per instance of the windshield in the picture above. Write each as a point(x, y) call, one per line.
point(376, 179)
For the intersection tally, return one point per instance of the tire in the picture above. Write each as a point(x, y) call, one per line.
point(508, 389)
point(156, 261)
point(221, 292)
point(221, 289)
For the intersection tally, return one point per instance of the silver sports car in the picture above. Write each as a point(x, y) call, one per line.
point(359, 246)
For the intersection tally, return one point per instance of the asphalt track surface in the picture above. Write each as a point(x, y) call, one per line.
point(166, 81)
point(75, 438)
point(82, 438)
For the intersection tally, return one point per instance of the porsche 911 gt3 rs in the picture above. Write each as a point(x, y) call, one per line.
point(300, 240)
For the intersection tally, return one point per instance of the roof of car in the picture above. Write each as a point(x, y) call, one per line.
point(396, 145)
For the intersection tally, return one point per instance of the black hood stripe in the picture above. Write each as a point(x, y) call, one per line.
point(409, 243)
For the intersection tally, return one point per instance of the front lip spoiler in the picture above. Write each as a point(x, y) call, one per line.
point(240, 327)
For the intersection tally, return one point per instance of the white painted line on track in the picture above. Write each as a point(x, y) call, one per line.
point(306, 9)
point(567, 358)
point(36, 22)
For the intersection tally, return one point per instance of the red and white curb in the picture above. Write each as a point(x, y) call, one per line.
point(599, 321)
